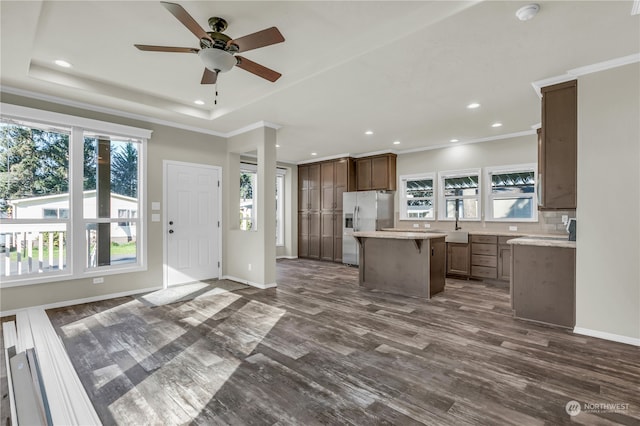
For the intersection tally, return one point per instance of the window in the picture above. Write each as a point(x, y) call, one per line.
point(511, 193)
point(248, 197)
point(460, 195)
point(280, 173)
point(64, 192)
point(417, 197)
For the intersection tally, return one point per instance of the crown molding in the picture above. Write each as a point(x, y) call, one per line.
point(587, 69)
point(470, 141)
point(133, 116)
point(331, 157)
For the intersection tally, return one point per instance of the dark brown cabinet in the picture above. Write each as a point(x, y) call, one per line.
point(321, 186)
point(484, 256)
point(504, 259)
point(557, 147)
point(377, 172)
point(309, 210)
point(458, 261)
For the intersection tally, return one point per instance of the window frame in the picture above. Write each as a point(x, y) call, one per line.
point(247, 168)
point(402, 197)
point(76, 247)
point(489, 197)
point(442, 200)
point(280, 206)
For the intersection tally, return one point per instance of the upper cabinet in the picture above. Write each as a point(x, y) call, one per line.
point(557, 147)
point(377, 172)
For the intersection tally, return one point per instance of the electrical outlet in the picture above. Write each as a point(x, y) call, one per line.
point(565, 219)
point(249, 266)
point(416, 225)
point(513, 228)
point(98, 280)
point(427, 225)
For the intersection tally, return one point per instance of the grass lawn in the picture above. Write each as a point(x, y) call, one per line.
point(127, 249)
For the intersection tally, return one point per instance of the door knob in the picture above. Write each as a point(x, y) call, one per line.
point(171, 231)
point(170, 222)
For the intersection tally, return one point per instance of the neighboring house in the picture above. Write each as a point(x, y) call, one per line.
point(57, 207)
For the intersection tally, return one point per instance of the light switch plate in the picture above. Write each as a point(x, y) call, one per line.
point(416, 225)
point(513, 228)
point(155, 205)
point(427, 225)
point(155, 217)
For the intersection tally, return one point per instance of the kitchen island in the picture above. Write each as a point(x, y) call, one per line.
point(404, 263)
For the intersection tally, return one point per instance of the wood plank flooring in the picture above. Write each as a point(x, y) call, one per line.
point(320, 350)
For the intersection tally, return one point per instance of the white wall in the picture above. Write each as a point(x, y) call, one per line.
point(250, 256)
point(608, 213)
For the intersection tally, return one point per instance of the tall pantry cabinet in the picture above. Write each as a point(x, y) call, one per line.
point(320, 189)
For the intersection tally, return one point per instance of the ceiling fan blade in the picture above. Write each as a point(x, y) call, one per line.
point(186, 19)
point(148, 48)
point(257, 69)
point(260, 39)
point(209, 77)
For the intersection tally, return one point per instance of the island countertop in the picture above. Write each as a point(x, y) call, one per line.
point(399, 235)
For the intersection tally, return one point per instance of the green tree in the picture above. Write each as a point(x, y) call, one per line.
point(124, 169)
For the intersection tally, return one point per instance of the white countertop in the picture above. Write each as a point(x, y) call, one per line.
point(548, 241)
point(400, 235)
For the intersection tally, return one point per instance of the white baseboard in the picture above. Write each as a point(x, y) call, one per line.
point(81, 301)
point(286, 257)
point(607, 336)
point(252, 284)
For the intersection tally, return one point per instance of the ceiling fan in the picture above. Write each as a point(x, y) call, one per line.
point(217, 50)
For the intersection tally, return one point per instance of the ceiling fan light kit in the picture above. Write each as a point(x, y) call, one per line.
point(217, 49)
point(527, 12)
point(217, 60)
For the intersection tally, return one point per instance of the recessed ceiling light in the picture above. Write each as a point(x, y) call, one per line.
point(62, 63)
point(396, 142)
point(527, 12)
point(198, 102)
point(277, 146)
point(496, 125)
point(368, 132)
point(314, 153)
point(453, 140)
point(473, 105)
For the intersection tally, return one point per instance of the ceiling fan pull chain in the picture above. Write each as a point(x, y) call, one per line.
point(215, 100)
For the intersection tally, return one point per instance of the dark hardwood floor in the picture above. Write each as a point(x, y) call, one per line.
point(319, 350)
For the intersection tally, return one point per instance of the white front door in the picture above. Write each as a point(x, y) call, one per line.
point(191, 222)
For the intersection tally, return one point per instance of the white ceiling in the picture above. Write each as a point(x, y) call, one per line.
point(405, 70)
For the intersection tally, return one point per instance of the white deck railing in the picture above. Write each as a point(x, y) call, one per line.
point(32, 248)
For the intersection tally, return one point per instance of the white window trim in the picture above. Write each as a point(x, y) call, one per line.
point(252, 168)
point(442, 205)
point(509, 169)
point(402, 200)
point(75, 240)
point(281, 173)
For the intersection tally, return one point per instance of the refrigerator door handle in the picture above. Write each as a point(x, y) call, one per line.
point(355, 218)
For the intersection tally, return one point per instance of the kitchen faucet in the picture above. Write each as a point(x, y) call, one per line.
point(457, 214)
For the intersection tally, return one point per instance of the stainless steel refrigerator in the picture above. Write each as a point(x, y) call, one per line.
point(363, 211)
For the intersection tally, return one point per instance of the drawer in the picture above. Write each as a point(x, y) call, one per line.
point(482, 260)
point(486, 249)
point(503, 240)
point(485, 239)
point(484, 272)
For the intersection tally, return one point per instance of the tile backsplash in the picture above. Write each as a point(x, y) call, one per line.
point(549, 222)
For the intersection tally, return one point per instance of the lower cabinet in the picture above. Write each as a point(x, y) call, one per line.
point(458, 259)
point(484, 260)
point(309, 235)
point(331, 236)
point(504, 259)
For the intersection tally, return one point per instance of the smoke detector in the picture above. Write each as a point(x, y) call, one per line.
point(527, 12)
